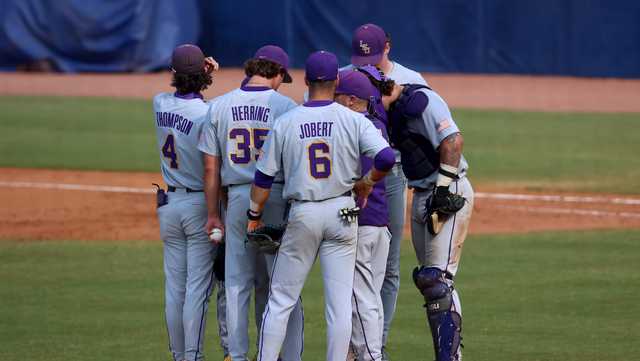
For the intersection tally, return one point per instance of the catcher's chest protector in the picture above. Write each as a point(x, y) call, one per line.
point(409, 135)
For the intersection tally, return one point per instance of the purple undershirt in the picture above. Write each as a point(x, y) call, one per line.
point(262, 180)
point(376, 213)
point(415, 105)
point(317, 103)
point(188, 96)
point(254, 88)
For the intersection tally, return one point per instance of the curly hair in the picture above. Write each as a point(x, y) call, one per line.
point(264, 68)
point(384, 86)
point(191, 83)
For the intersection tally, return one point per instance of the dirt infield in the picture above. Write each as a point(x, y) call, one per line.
point(469, 91)
point(48, 205)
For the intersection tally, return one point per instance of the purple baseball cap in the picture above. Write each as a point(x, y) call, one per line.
point(367, 45)
point(187, 59)
point(275, 54)
point(373, 71)
point(353, 82)
point(321, 65)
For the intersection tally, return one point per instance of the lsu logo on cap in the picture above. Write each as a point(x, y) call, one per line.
point(365, 47)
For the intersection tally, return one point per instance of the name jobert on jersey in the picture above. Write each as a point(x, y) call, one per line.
point(250, 112)
point(315, 129)
point(176, 121)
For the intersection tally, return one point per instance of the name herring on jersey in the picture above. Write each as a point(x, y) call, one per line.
point(237, 124)
point(318, 146)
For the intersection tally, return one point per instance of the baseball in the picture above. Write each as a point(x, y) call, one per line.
point(216, 235)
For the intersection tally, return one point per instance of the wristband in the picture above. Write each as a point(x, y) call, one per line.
point(446, 174)
point(253, 216)
point(254, 207)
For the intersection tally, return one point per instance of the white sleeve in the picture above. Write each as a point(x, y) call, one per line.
point(208, 142)
point(270, 159)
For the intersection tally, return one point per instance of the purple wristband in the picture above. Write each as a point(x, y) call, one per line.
point(262, 180)
point(384, 160)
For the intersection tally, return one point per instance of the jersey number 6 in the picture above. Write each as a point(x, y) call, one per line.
point(244, 138)
point(319, 161)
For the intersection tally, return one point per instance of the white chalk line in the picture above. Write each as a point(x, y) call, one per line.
point(582, 212)
point(558, 198)
point(500, 196)
point(76, 187)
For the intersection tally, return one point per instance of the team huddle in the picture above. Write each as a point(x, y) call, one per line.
point(330, 175)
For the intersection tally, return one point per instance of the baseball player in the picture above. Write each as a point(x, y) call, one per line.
point(182, 212)
point(356, 92)
point(371, 45)
point(431, 147)
point(317, 146)
point(237, 124)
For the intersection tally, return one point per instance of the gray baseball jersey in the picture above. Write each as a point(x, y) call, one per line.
point(237, 125)
point(179, 123)
point(318, 147)
point(439, 124)
point(403, 75)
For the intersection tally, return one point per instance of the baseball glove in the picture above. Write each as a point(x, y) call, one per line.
point(267, 238)
point(443, 204)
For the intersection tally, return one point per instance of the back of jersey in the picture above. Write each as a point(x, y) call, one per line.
point(237, 125)
point(179, 121)
point(318, 147)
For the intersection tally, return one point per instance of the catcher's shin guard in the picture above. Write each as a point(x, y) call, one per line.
point(445, 324)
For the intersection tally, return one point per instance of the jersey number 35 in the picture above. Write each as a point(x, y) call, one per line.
point(244, 139)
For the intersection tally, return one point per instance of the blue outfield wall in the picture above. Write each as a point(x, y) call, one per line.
point(559, 37)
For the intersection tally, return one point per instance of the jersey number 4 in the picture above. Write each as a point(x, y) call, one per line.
point(319, 160)
point(244, 139)
point(169, 151)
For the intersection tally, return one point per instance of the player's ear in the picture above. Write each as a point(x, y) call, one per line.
point(306, 81)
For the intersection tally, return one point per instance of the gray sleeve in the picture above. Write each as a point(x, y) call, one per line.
point(208, 142)
point(270, 158)
point(438, 120)
point(419, 79)
point(289, 105)
point(371, 139)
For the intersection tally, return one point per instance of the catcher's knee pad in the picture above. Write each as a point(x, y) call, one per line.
point(431, 282)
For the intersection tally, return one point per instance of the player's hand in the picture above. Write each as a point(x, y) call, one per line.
point(253, 225)
point(362, 190)
point(210, 65)
point(214, 222)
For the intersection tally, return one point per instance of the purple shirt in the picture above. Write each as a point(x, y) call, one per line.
point(381, 113)
point(376, 213)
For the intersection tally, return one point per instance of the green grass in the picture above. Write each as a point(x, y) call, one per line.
point(557, 151)
point(78, 133)
point(547, 297)
point(562, 151)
